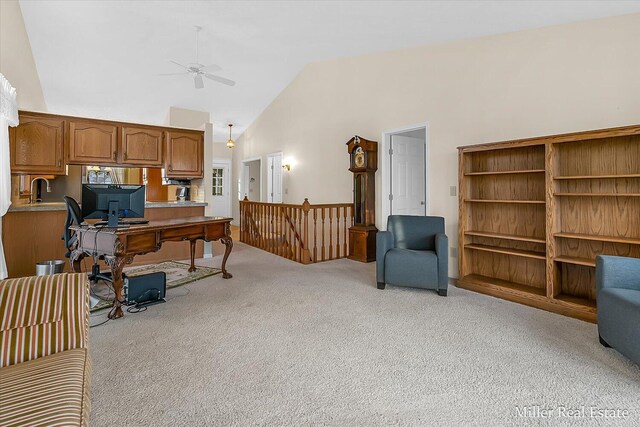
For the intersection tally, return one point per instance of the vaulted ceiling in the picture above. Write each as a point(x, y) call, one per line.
point(102, 58)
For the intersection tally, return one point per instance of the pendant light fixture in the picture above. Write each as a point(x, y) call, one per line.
point(230, 143)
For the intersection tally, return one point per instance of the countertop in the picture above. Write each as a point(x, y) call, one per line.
point(59, 206)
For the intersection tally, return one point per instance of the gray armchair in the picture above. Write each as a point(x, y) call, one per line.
point(413, 252)
point(618, 300)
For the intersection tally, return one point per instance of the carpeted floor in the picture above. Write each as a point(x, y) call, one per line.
point(287, 344)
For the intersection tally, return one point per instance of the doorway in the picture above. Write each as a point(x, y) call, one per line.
point(250, 185)
point(220, 188)
point(274, 178)
point(404, 172)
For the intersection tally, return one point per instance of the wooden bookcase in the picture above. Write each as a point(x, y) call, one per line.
point(534, 214)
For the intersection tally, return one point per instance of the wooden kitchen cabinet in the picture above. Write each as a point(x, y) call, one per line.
point(184, 155)
point(92, 143)
point(43, 144)
point(37, 146)
point(141, 146)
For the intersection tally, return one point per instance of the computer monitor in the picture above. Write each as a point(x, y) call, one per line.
point(112, 202)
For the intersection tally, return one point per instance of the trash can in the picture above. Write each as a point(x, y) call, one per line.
point(49, 267)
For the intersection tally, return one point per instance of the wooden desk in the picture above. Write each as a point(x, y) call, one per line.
point(119, 246)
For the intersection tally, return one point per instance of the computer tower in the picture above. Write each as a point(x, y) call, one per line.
point(145, 289)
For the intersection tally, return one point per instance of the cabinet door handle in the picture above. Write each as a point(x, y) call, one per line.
point(124, 156)
point(170, 167)
point(59, 163)
point(115, 155)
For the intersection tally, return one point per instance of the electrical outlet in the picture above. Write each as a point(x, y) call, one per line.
point(454, 252)
point(453, 191)
point(286, 191)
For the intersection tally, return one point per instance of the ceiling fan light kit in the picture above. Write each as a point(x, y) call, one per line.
point(198, 70)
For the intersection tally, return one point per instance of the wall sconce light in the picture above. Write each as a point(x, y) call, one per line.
point(287, 166)
point(230, 143)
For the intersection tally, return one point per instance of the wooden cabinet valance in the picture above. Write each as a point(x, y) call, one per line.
point(45, 143)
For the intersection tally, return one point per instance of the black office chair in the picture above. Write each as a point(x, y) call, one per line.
point(74, 217)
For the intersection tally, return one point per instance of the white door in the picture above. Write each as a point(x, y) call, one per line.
point(274, 178)
point(221, 190)
point(246, 175)
point(408, 179)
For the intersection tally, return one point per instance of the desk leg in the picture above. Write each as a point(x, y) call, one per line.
point(228, 242)
point(75, 261)
point(193, 256)
point(117, 264)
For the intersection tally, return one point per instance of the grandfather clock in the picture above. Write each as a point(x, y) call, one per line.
point(364, 163)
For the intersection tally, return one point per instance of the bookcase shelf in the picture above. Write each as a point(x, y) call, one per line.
point(535, 213)
point(587, 262)
point(529, 202)
point(506, 251)
point(515, 237)
point(573, 300)
point(596, 238)
point(478, 279)
point(623, 175)
point(598, 194)
point(514, 172)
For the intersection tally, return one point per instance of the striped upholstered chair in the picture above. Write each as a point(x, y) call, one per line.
point(44, 360)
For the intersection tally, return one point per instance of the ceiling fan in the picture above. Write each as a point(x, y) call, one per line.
point(198, 70)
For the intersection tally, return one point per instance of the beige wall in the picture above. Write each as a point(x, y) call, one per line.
point(221, 151)
point(552, 80)
point(16, 59)
point(185, 118)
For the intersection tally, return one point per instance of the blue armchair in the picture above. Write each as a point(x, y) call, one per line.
point(413, 252)
point(618, 300)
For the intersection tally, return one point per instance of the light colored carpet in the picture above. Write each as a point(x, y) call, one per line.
point(287, 344)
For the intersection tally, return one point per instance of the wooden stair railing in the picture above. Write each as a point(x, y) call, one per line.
point(298, 243)
point(304, 233)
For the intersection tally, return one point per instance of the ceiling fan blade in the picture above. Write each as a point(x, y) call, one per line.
point(179, 65)
point(197, 79)
point(173, 74)
point(212, 67)
point(220, 79)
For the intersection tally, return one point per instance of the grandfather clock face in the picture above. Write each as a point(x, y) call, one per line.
point(359, 186)
point(359, 159)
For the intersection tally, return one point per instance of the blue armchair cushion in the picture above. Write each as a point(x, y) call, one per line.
point(415, 232)
point(406, 267)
